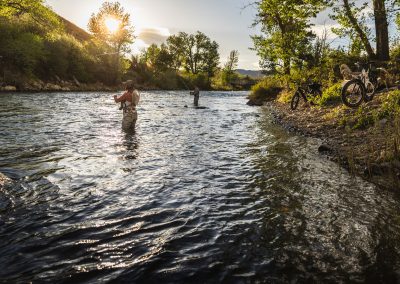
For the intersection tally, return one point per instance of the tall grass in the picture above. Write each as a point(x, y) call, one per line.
point(266, 90)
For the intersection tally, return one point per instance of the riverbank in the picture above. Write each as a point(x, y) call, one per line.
point(365, 140)
point(75, 86)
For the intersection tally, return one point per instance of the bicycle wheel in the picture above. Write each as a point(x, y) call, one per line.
point(295, 100)
point(352, 93)
point(369, 91)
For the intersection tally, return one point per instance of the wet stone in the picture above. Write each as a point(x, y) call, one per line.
point(324, 149)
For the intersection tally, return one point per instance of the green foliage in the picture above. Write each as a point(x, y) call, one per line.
point(265, 90)
point(363, 118)
point(200, 80)
point(157, 58)
point(390, 106)
point(330, 95)
point(21, 50)
point(286, 32)
point(228, 75)
point(198, 54)
point(30, 51)
point(345, 14)
point(285, 96)
point(66, 57)
point(30, 11)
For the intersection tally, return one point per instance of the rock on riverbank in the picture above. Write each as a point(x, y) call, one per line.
point(57, 86)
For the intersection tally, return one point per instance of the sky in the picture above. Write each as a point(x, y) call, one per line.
point(227, 22)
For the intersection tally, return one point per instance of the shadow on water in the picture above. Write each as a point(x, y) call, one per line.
point(212, 195)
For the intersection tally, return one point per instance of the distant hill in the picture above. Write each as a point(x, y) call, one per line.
point(251, 73)
point(77, 32)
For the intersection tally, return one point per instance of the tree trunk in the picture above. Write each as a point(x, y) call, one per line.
point(118, 52)
point(381, 27)
point(286, 66)
point(359, 31)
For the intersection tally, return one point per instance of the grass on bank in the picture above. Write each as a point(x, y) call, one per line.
point(272, 88)
point(367, 115)
point(266, 90)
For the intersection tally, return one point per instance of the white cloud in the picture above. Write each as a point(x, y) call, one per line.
point(256, 65)
point(147, 36)
point(319, 30)
point(138, 46)
point(152, 35)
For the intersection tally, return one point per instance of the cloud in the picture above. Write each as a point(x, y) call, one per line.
point(319, 30)
point(152, 35)
point(138, 46)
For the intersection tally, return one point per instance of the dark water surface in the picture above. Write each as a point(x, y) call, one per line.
point(196, 195)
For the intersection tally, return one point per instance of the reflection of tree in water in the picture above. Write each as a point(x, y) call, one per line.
point(131, 142)
point(272, 158)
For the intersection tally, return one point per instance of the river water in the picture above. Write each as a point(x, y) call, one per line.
point(195, 195)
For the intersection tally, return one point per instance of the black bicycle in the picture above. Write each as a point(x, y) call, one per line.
point(361, 87)
point(307, 92)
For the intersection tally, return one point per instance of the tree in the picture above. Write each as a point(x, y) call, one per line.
point(228, 74)
point(34, 9)
point(353, 20)
point(210, 59)
point(198, 52)
point(175, 46)
point(119, 35)
point(381, 28)
point(122, 36)
point(232, 62)
point(158, 58)
point(286, 31)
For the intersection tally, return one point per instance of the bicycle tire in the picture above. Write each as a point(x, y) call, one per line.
point(369, 95)
point(356, 87)
point(295, 100)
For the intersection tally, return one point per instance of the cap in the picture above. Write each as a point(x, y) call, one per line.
point(128, 84)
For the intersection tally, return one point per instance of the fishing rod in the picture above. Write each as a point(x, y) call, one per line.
point(183, 81)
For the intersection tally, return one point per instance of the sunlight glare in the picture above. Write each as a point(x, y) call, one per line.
point(112, 24)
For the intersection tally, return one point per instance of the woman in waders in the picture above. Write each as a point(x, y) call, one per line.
point(129, 100)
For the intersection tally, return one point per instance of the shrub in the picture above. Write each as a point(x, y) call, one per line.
point(330, 95)
point(285, 96)
point(167, 80)
point(265, 90)
point(390, 106)
point(363, 118)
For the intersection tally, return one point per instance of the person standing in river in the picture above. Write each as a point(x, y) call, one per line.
point(129, 101)
point(196, 94)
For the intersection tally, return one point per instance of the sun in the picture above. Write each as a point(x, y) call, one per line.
point(112, 24)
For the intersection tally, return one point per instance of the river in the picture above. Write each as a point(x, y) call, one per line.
point(220, 194)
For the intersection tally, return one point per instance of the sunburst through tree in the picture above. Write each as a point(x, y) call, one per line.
point(112, 26)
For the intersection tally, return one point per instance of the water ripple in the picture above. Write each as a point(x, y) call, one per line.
point(195, 195)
